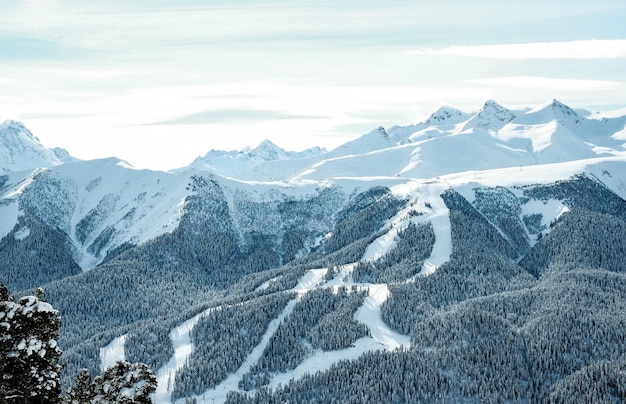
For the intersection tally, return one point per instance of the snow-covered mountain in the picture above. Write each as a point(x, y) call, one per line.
point(495, 137)
point(20, 150)
point(469, 240)
point(266, 162)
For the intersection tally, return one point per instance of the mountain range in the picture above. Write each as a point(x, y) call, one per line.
point(469, 257)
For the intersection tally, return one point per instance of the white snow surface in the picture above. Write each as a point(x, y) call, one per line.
point(369, 314)
point(310, 279)
point(266, 162)
point(21, 233)
point(112, 353)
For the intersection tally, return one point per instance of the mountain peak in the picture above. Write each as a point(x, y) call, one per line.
point(382, 132)
point(553, 110)
point(268, 151)
point(564, 112)
point(492, 116)
point(446, 114)
point(21, 150)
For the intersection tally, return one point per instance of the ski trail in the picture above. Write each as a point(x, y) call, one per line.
point(437, 214)
point(218, 393)
point(369, 314)
point(440, 220)
point(113, 352)
point(321, 361)
point(181, 341)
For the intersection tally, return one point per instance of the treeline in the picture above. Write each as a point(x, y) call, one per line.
point(581, 239)
point(364, 216)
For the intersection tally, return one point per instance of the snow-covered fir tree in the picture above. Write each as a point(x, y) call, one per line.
point(125, 383)
point(29, 353)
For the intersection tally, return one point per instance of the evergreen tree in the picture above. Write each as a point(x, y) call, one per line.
point(29, 354)
point(84, 390)
point(125, 383)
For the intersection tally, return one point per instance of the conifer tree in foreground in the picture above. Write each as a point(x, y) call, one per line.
point(128, 383)
point(125, 383)
point(29, 354)
point(84, 390)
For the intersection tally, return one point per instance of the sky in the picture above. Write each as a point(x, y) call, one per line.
point(158, 83)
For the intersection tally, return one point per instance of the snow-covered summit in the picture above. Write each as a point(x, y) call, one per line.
point(492, 116)
point(268, 151)
point(448, 115)
point(265, 151)
point(267, 161)
point(551, 111)
point(20, 150)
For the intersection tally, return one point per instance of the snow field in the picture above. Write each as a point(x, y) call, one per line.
point(110, 354)
point(311, 279)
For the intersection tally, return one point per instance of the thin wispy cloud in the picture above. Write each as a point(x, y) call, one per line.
point(546, 83)
point(229, 115)
point(584, 49)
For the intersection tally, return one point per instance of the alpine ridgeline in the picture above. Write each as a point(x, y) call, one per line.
point(470, 257)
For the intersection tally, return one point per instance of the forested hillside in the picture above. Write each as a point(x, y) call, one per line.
point(471, 257)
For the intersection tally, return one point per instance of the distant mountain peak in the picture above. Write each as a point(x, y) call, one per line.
point(267, 161)
point(21, 150)
point(554, 110)
point(267, 151)
point(446, 114)
point(492, 116)
point(564, 112)
point(382, 132)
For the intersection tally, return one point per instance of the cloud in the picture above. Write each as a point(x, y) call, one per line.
point(230, 115)
point(584, 49)
point(23, 48)
point(50, 115)
point(546, 83)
